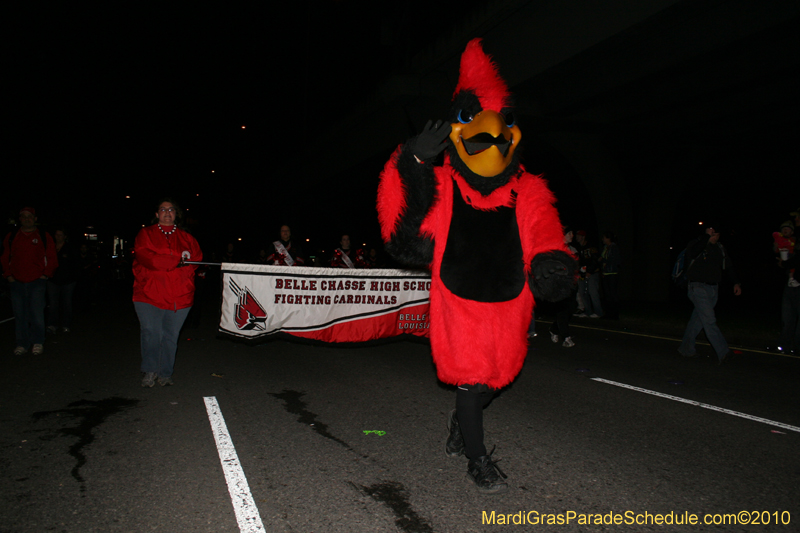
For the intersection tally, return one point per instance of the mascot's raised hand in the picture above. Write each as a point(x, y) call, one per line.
point(431, 142)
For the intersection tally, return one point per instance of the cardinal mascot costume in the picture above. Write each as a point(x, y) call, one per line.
point(491, 236)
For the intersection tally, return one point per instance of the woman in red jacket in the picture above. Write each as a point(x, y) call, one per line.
point(163, 289)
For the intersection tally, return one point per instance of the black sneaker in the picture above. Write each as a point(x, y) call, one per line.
point(455, 441)
point(487, 475)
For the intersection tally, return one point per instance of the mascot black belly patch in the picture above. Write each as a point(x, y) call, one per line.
point(483, 257)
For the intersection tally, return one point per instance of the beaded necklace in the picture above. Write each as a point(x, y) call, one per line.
point(167, 233)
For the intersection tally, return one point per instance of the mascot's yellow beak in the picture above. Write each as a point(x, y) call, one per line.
point(485, 142)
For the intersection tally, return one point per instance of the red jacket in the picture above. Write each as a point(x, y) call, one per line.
point(27, 259)
point(158, 280)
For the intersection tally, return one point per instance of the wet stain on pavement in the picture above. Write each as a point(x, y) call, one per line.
point(90, 414)
point(393, 495)
point(296, 406)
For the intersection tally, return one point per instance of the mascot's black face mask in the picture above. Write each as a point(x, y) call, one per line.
point(484, 132)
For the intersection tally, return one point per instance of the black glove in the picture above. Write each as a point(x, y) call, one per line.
point(430, 143)
point(543, 270)
point(553, 275)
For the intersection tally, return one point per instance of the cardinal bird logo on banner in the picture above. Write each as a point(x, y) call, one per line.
point(248, 313)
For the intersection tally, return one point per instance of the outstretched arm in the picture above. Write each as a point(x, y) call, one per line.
point(552, 268)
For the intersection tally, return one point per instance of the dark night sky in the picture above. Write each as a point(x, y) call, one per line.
point(117, 100)
point(114, 101)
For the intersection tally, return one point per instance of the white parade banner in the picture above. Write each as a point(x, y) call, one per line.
point(326, 304)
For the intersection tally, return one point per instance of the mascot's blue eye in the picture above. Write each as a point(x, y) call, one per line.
point(510, 121)
point(464, 118)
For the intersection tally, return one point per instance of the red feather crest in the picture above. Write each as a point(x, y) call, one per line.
point(479, 74)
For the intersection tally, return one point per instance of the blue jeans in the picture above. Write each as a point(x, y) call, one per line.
point(59, 298)
point(590, 289)
point(790, 318)
point(159, 337)
point(704, 298)
point(27, 300)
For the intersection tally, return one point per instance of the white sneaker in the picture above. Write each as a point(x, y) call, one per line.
point(568, 343)
point(38, 349)
point(20, 350)
point(794, 283)
point(594, 315)
point(553, 337)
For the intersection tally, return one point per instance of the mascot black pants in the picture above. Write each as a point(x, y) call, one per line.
point(470, 402)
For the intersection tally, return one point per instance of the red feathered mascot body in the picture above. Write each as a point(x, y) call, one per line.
point(479, 234)
point(489, 232)
point(479, 316)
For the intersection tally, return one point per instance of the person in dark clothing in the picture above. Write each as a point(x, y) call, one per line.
point(61, 287)
point(282, 252)
point(610, 262)
point(707, 263)
point(564, 308)
point(230, 255)
point(590, 275)
point(86, 290)
point(373, 259)
point(789, 261)
point(345, 256)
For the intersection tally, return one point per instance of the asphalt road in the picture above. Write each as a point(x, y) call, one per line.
point(352, 439)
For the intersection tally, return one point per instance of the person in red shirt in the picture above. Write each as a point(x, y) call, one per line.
point(163, 289)
point(28, 260)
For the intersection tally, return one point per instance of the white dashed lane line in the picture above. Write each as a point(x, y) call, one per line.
point(699, 404)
